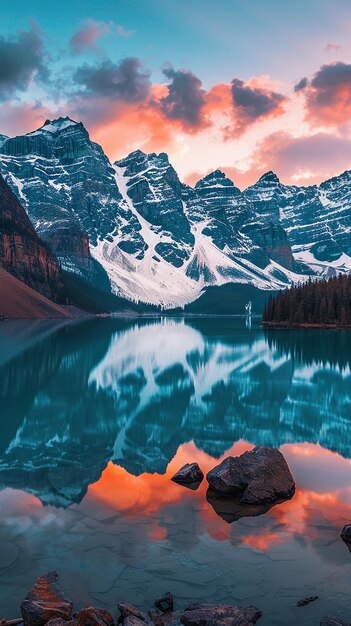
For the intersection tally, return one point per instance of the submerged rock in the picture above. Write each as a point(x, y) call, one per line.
point(306, 600)
point(220, 615)
point(189, 474)
point(45, 601)
point(165, 602)
point(91, 616)
point(259, 476)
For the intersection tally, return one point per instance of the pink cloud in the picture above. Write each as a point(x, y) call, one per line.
point(297, 161)
point(328, 95)
point(86, 37)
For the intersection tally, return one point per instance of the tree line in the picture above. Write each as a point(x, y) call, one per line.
point(314, 302)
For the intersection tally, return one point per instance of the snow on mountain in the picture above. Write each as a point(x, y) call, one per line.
point(133, 227)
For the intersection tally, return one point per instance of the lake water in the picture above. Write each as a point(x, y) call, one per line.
point(97, 416)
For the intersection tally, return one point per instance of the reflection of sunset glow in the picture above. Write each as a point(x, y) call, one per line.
point(262, 542)
point(149, 493)
point(321, 500)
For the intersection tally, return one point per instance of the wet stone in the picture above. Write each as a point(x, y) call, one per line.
point(306, 600)
point(220, 615)
point(128, 610)
point(165, 602)
point(45, 601)
point(91, 616)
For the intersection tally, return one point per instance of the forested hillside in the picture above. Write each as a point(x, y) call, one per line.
point(317, 302)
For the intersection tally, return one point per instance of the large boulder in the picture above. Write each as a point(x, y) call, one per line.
point(259, 476)
point(45, 601)
point(189, 474)
point(220, 615)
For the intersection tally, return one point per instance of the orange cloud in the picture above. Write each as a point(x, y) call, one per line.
point(328, 95)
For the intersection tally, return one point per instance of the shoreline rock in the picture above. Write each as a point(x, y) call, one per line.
point(45, 601)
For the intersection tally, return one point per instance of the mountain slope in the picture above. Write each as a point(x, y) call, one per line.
point(135, 230)
point(18, 301)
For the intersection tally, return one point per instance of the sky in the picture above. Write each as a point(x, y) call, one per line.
point(245, 86)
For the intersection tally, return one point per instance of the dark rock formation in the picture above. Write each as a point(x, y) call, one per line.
point(165, 602)
point(306, 600)
point(346, 533)
point(220, 615)
point(188, 474)
point(45, 601)
point(259, 476)
point(22, 253)
point(91, 616)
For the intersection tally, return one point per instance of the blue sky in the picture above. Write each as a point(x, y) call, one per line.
point(245, 85)
point(215, 39)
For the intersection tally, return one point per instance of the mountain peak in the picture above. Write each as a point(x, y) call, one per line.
point(269, 177)
point(60, 123)
point(215, 178)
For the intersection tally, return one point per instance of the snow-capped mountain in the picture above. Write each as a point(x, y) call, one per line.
point(132, 227)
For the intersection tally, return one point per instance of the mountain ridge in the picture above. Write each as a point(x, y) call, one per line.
point(135, 229)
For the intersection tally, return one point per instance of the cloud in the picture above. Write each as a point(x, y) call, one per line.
point(334, 49)
point(128, 81)
point(296, 161)
point(16, 119)
point(253, 102)
point(185, 100)
point(86, 37)
point(304, 160)
point(21, 60)
point(328, 95)
point(301, 85)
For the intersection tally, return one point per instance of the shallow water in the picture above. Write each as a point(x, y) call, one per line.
point(96, 417)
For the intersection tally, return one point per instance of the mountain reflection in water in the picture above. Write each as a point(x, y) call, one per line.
point(97, 416)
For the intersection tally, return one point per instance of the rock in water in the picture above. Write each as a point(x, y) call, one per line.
point(306, 600)
point(91, 616)
point(220, 615)
point(259, 476)
point(346, 534)
point(189, 473)
point(165, 602)
point(45, 601)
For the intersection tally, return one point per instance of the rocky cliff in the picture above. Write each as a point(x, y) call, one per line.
point(22, 253)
